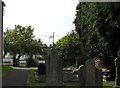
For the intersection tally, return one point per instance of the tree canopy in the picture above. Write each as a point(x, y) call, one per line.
point(20, 41)
point(98, 25)
point(69, 48)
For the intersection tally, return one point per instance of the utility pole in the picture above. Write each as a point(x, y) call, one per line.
point(1, 36)
point(1, 40)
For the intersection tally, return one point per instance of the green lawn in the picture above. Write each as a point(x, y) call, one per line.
point(5, 70)
point(32, 82)
point(31, 79)
point(109, 83)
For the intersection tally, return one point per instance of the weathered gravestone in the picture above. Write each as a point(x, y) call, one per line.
point(117, 80)
point(54, 68)
point(93, 75)
point(90, 79)
point(81, 75)
point(89, 75)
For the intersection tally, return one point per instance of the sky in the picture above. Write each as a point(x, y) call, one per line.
point(45, 16)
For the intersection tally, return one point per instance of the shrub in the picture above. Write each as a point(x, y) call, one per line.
point(31, 62)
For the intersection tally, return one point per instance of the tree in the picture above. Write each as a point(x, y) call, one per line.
point(69, 48)
point(19, 41)
point(98, 26)
point(100, 22)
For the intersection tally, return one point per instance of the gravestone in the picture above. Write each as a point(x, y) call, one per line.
point(90, 79)
point(93, 75)
point(53, 68)
point(98, 78)
point(41, 71)
point(81, 75)
point(117, 80)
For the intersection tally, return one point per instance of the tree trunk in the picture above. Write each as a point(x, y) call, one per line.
point(14, 60)
point(17, 61)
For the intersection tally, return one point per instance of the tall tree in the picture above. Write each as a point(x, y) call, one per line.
point(19, 41)
point(69, 48)
point(98, 27)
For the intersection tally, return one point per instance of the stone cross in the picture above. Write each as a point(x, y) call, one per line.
point(53, 68)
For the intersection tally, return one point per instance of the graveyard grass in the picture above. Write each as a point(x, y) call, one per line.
point(109, 83)
point(4, 70)
point(31, 78)
point(33, 83)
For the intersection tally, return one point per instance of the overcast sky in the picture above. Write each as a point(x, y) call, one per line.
point(46, 16)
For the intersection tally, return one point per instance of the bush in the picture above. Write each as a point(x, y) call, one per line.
point(31, 62)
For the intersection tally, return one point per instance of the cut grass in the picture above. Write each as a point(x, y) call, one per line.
point(110, 84)
point(33, 83)
point(31, 79)
point(5, 70)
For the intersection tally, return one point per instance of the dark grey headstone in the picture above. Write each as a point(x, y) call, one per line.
point(93, 75)
point(54, 68)
point(41, 69)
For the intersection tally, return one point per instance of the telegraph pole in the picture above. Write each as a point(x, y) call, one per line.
point(1, 31)
point(1, 36)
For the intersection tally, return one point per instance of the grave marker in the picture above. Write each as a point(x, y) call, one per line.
point(54, 68)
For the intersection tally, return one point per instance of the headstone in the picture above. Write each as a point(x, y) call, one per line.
point(53, 68)
point(93, 75)
point(98, 78)
point(117, 80)
point(41, 72)
point(81, 75)
point(90, 73)
point(41, 69)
